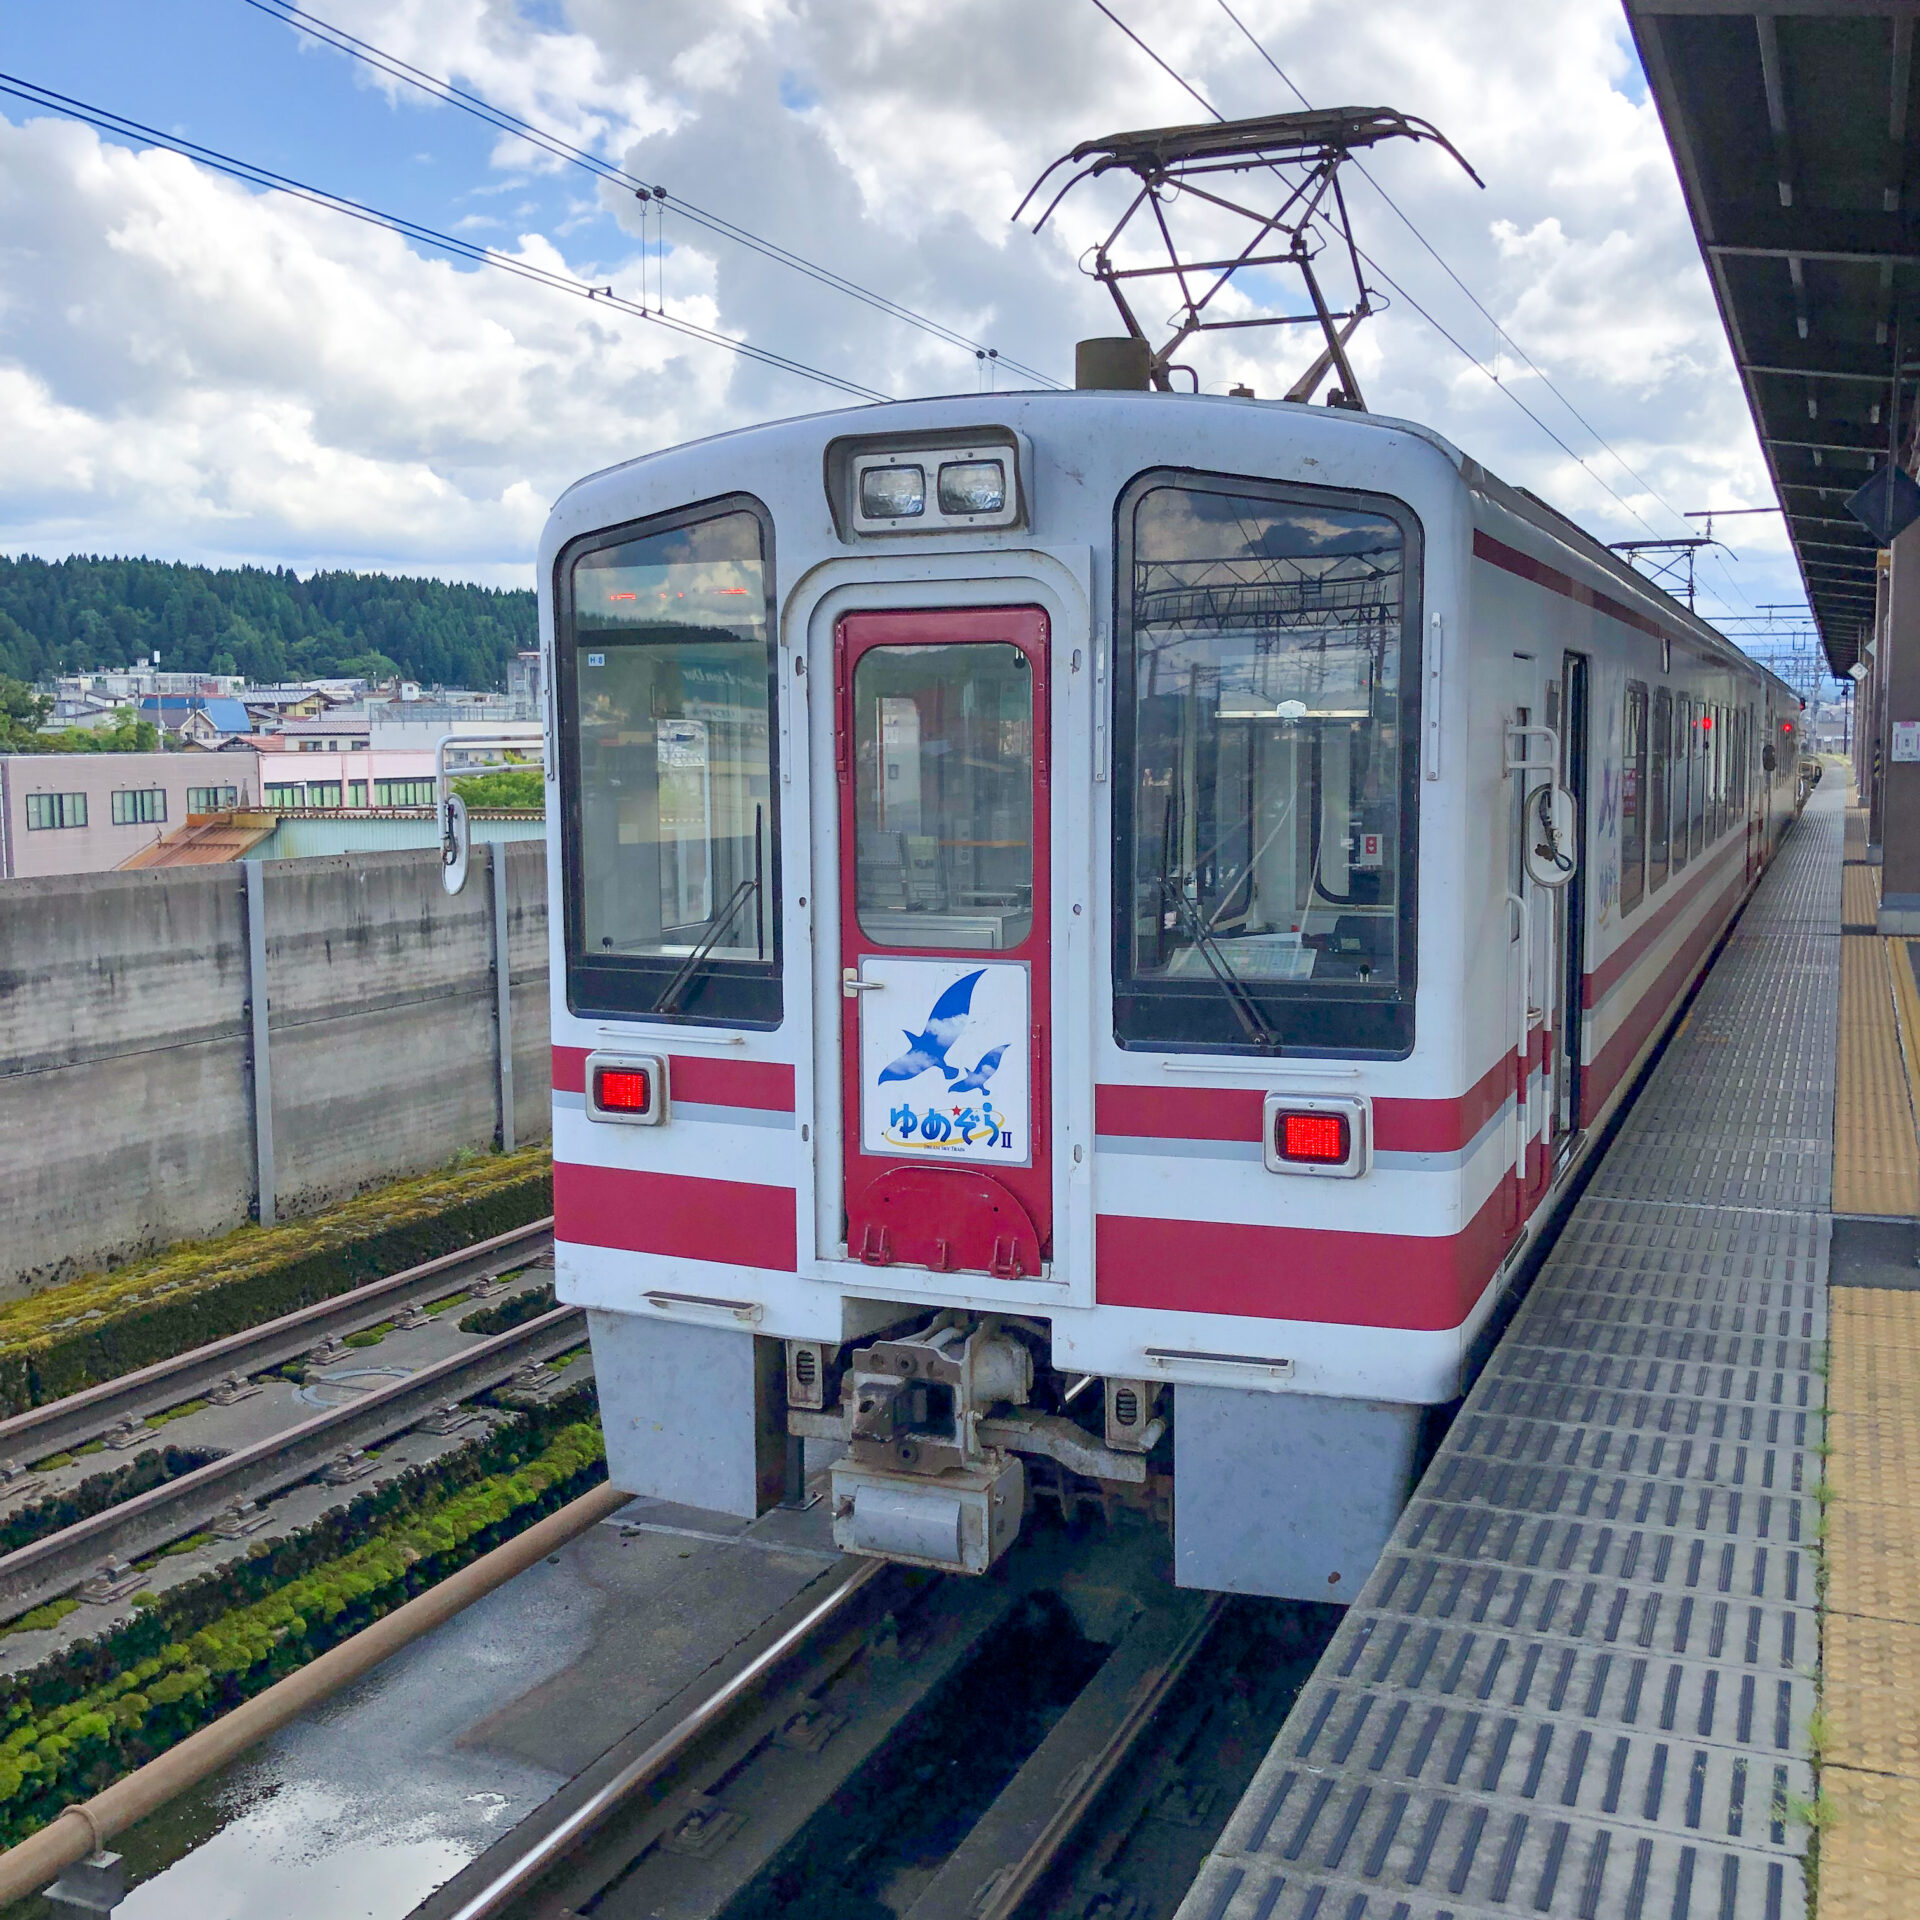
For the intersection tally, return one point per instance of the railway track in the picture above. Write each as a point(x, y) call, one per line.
point(47, 1568)
point(81, 1417)
point(971, 1749)
point(52, 1566)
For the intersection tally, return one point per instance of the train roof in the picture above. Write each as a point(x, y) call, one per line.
point(1518, 501)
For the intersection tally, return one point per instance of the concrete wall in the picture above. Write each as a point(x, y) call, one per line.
point(126, 1093)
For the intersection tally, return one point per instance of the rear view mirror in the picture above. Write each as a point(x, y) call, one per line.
point(456, 843)
point(1552, 854)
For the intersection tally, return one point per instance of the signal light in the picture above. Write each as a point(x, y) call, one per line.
point(1320, 1139)
point(1327, 1135)
point(629, 1088)
point(625, 1089)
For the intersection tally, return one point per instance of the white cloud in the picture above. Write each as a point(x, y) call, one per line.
point(192, 368)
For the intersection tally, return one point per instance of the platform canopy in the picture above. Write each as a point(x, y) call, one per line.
point(1793, 128)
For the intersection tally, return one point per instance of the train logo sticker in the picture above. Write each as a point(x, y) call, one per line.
point(944, 1064)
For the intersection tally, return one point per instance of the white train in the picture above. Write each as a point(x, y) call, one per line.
point(1089, 930)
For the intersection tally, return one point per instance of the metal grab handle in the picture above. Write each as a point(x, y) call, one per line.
point(1519, 759)
point(852, 985)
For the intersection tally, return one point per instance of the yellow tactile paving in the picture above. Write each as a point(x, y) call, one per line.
point(1870, 1690)
point(1860, 896)
point(1870, 1856)
point(1856, 833)
point(1876, 1159)
point(1874, 1564)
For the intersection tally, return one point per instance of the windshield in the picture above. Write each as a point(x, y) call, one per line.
point(666, 660)
point(1263, 740)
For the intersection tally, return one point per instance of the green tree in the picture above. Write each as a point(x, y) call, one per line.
point(22, 713)
point(89, 611)
point(524, 789)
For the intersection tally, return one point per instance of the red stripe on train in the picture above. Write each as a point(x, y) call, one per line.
point(1233, 1113)
point(1299, 1273)
point(728, 1222)
point(1685, 896)
point(763, 1084)
point(1526, 567)
point(1604, 1071)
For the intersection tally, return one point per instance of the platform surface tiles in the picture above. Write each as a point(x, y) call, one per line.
point(1581, 1678)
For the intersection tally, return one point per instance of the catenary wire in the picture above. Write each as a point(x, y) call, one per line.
point(1447, 268)
point(120, 127)
point(1458, 345)
point(290, 14)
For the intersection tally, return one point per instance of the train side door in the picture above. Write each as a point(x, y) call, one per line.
point(941, 729)
point(1570, 910)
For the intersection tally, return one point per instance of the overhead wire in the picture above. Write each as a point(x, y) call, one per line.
point(1400, 292)
point(291, 14)
point(120, 127)
point(1446, 267)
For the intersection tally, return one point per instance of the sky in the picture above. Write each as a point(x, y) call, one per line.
point(197, 369)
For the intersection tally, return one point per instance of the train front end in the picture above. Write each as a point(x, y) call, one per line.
point(997, 843)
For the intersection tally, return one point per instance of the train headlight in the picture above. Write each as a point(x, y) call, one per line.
point(973, 486)
point(629, 1088)
point(894, 493)
point(1313, 1133)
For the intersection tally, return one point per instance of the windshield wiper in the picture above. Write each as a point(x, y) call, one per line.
point(1247, 1010)
point(748, 889)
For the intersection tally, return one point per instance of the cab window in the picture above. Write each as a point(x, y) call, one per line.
point(1264, 767)
point(664, 657)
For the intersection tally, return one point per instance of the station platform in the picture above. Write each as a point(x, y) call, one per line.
point(1586, 1678)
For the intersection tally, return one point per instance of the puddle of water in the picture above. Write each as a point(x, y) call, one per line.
point(361, 1809)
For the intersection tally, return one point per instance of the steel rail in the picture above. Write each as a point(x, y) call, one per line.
point(47, 1568)
point(84, 1416)
point(1010, 1888)
point(514, 1878)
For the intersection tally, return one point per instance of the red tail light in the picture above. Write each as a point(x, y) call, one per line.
point(1318, 1139)
point(623, 1089)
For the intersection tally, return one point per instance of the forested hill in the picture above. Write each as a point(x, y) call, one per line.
point(70, 616)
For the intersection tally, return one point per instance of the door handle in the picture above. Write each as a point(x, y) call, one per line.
point(852, 986)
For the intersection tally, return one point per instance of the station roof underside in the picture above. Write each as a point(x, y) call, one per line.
point(1792, 127)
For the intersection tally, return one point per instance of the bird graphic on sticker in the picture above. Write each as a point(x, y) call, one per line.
point(927, 1050)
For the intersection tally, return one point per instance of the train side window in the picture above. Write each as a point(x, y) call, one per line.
point(1696, 776)
point(1633, 799)
point(1681, 781)
point(1717, 749)
point(664, 678)
point(1660, 735)
point(1264, 870)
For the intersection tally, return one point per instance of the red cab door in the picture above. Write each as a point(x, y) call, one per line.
point(941, 751)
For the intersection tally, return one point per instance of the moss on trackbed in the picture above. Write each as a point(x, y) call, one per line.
point(105, 1324)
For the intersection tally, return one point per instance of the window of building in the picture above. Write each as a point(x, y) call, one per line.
point(139, 807)
point(1263, 886)
point(1659, 742)
point(286, 797)
point(356, 793)
point(212, 799)
point(665, 664)
point(402, 793)
point(56, 810)
point(323, 793)
point(1633, 799)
